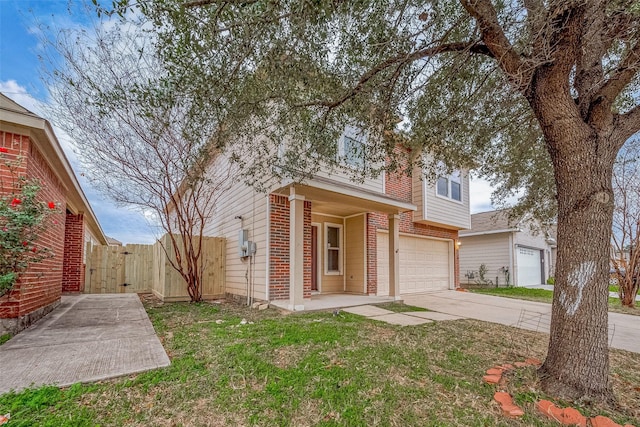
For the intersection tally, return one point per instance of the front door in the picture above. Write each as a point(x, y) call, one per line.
point(314, 257)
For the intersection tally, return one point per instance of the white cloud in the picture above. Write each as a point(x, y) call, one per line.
point(480, 195)
point(19, 94)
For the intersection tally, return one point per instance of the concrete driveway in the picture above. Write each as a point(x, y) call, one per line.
point(87, 338)
point(624, 329)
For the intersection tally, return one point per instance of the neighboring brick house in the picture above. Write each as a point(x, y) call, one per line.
point(329, 235)
point(519, 253)
point(30, 141)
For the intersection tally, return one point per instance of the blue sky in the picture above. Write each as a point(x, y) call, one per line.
point(19, 80)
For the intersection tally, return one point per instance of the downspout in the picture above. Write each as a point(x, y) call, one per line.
point(512, 270)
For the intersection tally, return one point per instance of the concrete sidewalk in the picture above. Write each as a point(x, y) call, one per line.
point(624, 329)
point(550, 288)
point(408, 318)
point(87, 338)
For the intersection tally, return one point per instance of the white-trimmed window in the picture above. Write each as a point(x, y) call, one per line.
point(352, 148)
point(333, 249)
point(450, 186)
point(353, 152)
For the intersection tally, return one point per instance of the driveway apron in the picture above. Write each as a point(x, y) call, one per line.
point(624, 329)
point(87, 338)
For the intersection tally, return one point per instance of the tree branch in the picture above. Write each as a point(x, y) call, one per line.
point(200, 3)
point(626, 125)
point(496, 41)
point(620, 77)
point(536, 22)
point(589, 72)
point(402, 59)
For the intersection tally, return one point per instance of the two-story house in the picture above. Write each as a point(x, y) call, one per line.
point(390, 235)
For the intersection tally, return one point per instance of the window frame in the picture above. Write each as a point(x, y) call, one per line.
point(455, 176)
point(339, 249)
point(352, 134)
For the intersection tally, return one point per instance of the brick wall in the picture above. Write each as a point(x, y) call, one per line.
point(40, 285)
point(307, 249)
point(279, 248)
point(73, 265)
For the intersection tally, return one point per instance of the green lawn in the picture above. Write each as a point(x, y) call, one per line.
point(543, 295)
point(399, 307)
point(314, 369)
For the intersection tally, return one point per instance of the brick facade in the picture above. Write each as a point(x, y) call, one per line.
point(73, 266)
point(279, 248)
point(40, 286)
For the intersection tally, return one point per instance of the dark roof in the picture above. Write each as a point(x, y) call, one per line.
point(490, 221)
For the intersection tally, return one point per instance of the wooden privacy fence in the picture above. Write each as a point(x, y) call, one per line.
point(146, 268)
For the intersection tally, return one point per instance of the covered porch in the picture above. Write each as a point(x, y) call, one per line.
point(330, 245)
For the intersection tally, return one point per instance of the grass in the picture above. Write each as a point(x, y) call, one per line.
point(4, 338)
point(314, 369)
point(399, 307)
point(543, 295)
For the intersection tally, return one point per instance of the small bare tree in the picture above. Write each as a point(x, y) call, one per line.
point(625, 258)
point(133, 136)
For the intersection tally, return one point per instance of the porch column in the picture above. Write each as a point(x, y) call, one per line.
point(296, 251)
point(394, 256)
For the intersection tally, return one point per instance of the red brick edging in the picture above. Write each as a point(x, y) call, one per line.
point(565, 416)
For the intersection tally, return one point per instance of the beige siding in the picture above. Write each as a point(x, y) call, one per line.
point(493, 250)
point(241, 200)
point(530, 238)
point(417, 190)
point(329, 282)
point(442, 211)
point(369, 184)
point(355, 254)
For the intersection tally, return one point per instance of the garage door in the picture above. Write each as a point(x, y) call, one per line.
point(529, 266)
point(424, 264)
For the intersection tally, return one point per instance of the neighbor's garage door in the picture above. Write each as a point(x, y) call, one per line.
point(529, 266)
point(424, 264)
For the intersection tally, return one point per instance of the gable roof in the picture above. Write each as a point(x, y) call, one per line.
point(41, 133)
point(490, 223)
point(9, 104)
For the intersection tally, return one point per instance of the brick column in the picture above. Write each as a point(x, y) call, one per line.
point(73, 263)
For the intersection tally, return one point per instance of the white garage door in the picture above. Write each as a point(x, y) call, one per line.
point(529, 266)
point(424, 264)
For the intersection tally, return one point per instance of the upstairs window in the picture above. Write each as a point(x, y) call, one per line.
point(353, 152)
point(352, 148)
point(450, 186)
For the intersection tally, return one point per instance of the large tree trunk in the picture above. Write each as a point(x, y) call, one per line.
point(577, 363)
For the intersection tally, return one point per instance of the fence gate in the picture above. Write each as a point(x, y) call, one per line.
point(145, 268)
point(104, 270)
